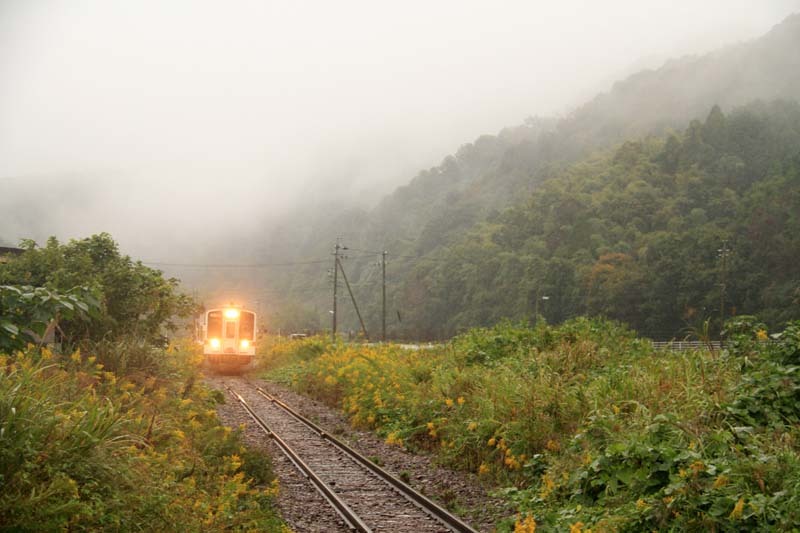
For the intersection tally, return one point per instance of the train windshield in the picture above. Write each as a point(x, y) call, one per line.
point(247, 322)
point(230, 329)
point(214, 326)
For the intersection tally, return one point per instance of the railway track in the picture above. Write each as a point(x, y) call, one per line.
point(364, 496)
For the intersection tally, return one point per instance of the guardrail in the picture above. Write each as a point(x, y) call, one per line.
point(679, 346)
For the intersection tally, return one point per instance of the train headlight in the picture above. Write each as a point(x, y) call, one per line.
point(231, 313)
point(245, 344)
point(214, 343)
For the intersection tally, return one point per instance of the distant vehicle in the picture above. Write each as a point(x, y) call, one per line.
point(297, 336)
point(229, 338)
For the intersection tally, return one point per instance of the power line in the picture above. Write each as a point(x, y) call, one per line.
point(229, 265)
point(367, 251)
point(248, 265)
point(398, 256)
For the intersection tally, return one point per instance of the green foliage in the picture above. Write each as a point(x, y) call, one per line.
point(86, 449)
point(135, 300)
point(27, 312)
point(485, 345)
point(633, 234)
point(120, 436)
point(584, 425)
point(770, 390)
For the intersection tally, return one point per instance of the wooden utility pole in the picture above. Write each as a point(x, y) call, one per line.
point(335, 285)
point(723, 254)
point(383, 299)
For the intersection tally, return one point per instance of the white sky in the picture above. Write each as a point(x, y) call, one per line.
point(278, 101)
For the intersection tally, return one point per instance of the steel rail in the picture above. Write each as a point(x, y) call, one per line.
point(351, 519)
point(427, 505)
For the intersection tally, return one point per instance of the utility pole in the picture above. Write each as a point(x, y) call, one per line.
point(383, 299)
point(335, 285)
point(723, 254)
point(536, 306)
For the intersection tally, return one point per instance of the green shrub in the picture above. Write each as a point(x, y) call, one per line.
point(587, 426)
point(87, 449)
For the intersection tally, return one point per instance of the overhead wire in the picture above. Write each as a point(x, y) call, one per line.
point(231, 265)
point(244, 265)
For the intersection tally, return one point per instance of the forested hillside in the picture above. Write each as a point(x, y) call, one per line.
point(440, 281)
point(635, 233)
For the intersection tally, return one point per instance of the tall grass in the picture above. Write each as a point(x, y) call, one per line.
point(83, 448)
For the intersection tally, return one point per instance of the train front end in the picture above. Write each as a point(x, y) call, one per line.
point(229, 340)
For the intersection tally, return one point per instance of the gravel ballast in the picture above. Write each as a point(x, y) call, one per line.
point(305, 510)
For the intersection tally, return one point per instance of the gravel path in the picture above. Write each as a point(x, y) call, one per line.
point(301, 506)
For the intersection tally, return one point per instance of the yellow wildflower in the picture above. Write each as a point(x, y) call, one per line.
point(461, 400)
point(512, 463)
point(472, 426)
point(448, 402)
point(737, 510)
point(577, 527)
point(492, 442)
point(528, 525)
point(552, 445)
point(615, 409)
point(547, 486)
point(431, 429)
point(761, 334)
point(698, 467)
point(483, 469)
point(273, 489)
point(640, 504)
point(393, 438)
point(721, 481)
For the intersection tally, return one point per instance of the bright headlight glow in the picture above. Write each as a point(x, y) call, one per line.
point(245, 344)
point(214, 343)
point(231, 313)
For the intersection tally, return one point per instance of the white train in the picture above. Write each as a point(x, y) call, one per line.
point(229, 338)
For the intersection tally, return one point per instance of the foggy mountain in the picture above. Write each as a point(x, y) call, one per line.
point(494, 170)
point(280, 246)
point(441, 204)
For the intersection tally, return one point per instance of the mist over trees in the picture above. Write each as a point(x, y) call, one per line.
point(635, 234)
point(473, 240)
point(423, 224)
